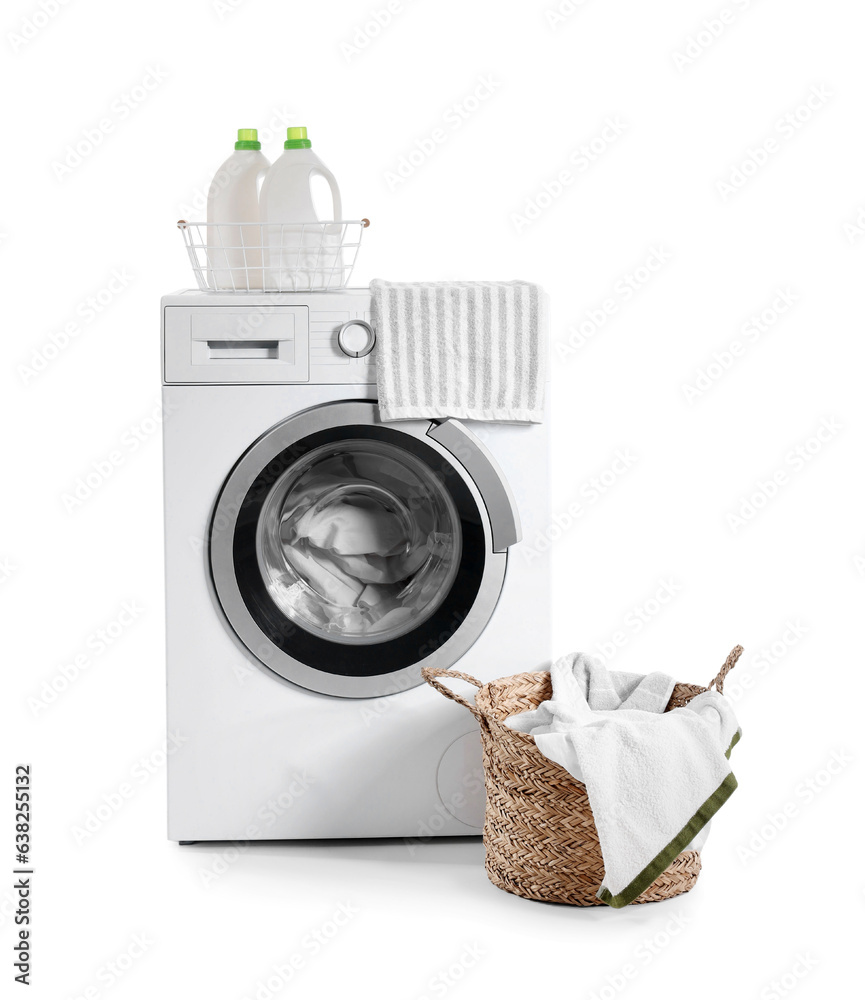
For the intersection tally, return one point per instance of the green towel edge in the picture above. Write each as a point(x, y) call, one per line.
point(662, 861)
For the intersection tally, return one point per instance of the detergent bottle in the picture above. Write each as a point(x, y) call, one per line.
point(301, 250)
point(234, 251)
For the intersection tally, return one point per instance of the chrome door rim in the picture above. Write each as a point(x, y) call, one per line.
point(221, 536)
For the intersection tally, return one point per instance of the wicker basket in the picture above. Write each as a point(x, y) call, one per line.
point(539, 832)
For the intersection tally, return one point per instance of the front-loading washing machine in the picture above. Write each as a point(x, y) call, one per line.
point(316, 560)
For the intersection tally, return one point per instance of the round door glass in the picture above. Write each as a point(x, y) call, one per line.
point(358, 542)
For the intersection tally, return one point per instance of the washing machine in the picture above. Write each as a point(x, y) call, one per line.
point(316, 560)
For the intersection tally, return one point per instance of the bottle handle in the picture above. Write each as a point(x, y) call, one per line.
point(259, 181)
point(334, 189)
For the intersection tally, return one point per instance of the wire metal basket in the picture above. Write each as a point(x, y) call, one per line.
point(272, 257)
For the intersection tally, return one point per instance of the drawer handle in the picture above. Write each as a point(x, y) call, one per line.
point(244, 350)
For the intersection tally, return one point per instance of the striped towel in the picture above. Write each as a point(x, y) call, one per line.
point(473, 350)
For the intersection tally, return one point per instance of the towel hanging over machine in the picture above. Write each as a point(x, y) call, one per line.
point(472, 350)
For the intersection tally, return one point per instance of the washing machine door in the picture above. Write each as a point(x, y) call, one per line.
point(347, 554)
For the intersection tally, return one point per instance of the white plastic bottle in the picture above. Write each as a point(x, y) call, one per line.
point(233, 252)
point(301, 251)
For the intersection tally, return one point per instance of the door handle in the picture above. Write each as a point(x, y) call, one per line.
point(498, 499)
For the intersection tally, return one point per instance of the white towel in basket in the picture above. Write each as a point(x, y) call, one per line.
point(472, 350)
point(654, 778)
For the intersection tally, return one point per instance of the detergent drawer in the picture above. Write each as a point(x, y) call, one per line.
point(236, 344)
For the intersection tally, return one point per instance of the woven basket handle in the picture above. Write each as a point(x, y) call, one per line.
point(729, 663)
point(429, 674)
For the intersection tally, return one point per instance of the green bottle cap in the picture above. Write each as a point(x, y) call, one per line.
point(295, 138)
point(247, 138)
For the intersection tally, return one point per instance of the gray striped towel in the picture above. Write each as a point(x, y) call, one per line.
point(473, 350)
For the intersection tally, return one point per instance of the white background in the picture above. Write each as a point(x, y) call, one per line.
point(774, 887)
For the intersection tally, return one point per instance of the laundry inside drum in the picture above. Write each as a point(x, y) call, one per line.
point(359, 542)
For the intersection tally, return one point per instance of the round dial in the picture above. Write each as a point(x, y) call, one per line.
point(356, 338)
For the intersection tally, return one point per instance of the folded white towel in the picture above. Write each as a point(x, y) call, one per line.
point(471, 350)
point(654, 779)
